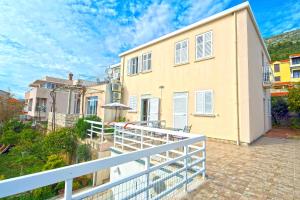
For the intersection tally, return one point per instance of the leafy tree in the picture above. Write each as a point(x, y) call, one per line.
point(10, 108)
point(63, 140)
point(294, 100)
point(83, 153)
point(53, 162)
point(279, 109)
point(9, 137)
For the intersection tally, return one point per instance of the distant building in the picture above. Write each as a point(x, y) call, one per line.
point(39, 102)
point(4, 93)
point(286, 75)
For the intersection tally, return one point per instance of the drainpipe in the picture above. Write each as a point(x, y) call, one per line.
point(237, 81)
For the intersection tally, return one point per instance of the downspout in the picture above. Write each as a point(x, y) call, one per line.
point(237, 81)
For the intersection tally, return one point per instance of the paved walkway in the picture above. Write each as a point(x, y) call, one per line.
point(268, 169)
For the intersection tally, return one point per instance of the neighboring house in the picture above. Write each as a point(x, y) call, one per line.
point(286, 74)
point(212, 75)
point(39, 102)
point(4, 94)
point(103, 93)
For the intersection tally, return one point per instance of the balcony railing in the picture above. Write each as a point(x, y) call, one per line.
point(268, 76)
point(171, 161)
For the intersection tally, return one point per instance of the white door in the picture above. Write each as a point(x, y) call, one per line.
point(153, 109)
point(180, 111)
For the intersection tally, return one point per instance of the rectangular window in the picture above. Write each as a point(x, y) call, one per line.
point(296, 61)
point(132, 103)
point(277, 78)
point(204, 102)
point(133, 67)
point(204, 45)
point(276, 67)
point(92, 104)
point(146, 62)
point(41, 104)
point(181, 52)
point(296, 74)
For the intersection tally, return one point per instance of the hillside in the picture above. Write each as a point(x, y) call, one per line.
point(282, 45)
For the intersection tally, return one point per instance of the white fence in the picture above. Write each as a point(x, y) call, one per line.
point(172, 160)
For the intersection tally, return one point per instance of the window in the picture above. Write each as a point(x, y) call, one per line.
point(49, 85)
point(92, 103)
point(296, 61)
point(133, 103)
point(277, 78)
point(296, 74)
point(204, 102)
point(30, 105)
point(204, 45)
point(41, 104)
point(181, 52)
point(76, 103)
point(132, 65)
point(146, 62)
point(276, 67)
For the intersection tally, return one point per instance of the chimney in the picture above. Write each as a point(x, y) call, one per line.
point(70, 76)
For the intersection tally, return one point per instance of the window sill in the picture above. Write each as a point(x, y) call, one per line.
point(147, 71)
point(204, 115)
point(131, 111)
point(133, 74)
point(176, 65)
point(206, 58)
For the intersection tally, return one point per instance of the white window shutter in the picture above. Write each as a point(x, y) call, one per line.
point(208, 43)
point(177, 53)
point(200, 102)
point(199, 46)
point(140, 64)
point(128, 67)
point(154, 109)
point(133, 103)
point(208, 102)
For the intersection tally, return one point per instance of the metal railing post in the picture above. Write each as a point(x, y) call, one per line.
point(204, 162)
point(122, 132)
point(92, 130)
point(142, 139)
point(168, 137)
point(115, 133)
point(68, 189)
point(185, 149)
point(147, 166)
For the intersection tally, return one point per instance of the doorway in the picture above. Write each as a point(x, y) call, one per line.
point(180, 110)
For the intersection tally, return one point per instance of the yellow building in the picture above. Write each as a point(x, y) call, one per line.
point(286, 74)
point(208, 75)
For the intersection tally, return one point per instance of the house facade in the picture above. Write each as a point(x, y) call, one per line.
point(105, 92)
point(286, 75)
point(207, 76)
point(38, 100)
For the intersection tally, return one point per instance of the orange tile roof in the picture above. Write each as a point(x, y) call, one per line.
point(295, 54)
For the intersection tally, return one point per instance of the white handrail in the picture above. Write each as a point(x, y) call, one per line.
point(29, 182)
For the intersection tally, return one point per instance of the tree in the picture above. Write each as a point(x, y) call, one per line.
point(53, 162)
point(294, 100)
point(279, 109)
point(63, 140)
point(82, 126)
point(10, 108)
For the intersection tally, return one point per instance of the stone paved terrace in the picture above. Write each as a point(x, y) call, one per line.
point(267, 169)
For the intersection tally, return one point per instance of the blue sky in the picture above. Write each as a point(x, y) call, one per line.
point(47, 37)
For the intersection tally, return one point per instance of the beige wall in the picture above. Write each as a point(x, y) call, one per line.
point(217, 73)
point(102, 92)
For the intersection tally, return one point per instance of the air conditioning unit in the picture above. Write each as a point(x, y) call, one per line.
point(116, 96)
point(116, 75)
point(116, 87)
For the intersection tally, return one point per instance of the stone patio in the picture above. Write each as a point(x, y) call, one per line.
point(267, 169)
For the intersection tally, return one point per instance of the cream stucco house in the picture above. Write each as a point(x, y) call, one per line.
point(208, 75)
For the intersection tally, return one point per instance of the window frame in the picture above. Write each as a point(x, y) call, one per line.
point(187, 53)
point(277, 64)
point(212, 103)
point(277, 77)
point(147, 60)
point(196, 45)
point(298, 72)
point(95, 107)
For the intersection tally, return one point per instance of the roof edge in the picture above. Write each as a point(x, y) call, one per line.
point(191, 26)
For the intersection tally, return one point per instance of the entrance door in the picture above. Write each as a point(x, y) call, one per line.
point(150, 109)
point(180, 110)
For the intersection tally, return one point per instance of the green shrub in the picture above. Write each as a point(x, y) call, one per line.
point(279, 109)
point(9, 137)
point(53, 162)
point(295, 122)
point(83, 153)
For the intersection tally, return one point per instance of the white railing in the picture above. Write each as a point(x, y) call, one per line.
point(153, 123)
point(97, 128)
point(182, 162)
point(268, 75)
